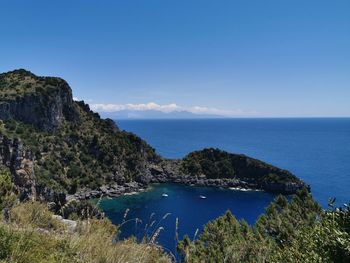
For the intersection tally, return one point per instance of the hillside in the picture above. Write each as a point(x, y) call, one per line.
point(53, 144)
point(69, 146)
point(216, 164)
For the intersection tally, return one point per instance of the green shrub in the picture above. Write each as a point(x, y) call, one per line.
point(295, 231)
point(7, 240)
point(7, 197)
point(34, 214)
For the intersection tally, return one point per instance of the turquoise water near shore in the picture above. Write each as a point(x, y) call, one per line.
point(316, 150)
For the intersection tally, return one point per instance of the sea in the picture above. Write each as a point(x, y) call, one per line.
point(317, 150)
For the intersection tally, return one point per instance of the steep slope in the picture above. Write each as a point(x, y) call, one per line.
point(70, 146)
point(53, 144)
point(44, 102)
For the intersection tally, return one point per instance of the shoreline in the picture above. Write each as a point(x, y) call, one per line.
point(132, 188)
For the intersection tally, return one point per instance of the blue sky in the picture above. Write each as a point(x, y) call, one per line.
point(236, 58)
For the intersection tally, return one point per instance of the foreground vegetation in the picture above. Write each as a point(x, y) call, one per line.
point(296, 231)
point(34, 236)
point(290, 231)
point(29, 234)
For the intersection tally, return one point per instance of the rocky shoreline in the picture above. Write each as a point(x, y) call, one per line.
point(111, 191)
point(115, 190)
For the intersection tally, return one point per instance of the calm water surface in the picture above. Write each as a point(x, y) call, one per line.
point(182, 202)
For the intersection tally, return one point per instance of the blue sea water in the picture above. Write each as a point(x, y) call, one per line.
point(315, 149)
point(184, 203)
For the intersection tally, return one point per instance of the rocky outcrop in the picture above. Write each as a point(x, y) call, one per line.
point(112, 190)
point(45, 109)
point(214, 166)
point(283, 188)
point(21, 164)
point(71, 225)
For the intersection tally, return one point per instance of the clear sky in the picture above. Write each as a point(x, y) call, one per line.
point(243, 58)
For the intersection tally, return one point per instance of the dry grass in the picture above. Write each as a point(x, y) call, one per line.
point(32, 236)
point(35, 215)
point(92, 246)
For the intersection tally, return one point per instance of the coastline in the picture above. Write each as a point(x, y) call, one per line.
point(131, 188)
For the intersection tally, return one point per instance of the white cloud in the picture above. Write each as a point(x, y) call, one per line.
point(136, 107)
point(168, 108)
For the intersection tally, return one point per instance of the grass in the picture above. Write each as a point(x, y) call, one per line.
point(32, 235)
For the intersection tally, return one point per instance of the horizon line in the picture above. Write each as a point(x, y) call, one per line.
point(231, 118)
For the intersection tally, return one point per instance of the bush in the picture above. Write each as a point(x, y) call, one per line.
point(6, 242)
point(27, 246)
point(7, 197)
point(295, 231)
point(34, 214)
point(80, 210)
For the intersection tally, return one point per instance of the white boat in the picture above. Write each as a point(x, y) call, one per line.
point(202, 197)
point(165, 195)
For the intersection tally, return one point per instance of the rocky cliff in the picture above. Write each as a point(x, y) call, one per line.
point(41, 101)
point(53, 145)
point(21, 164)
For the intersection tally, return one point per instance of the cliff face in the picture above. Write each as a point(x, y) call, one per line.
point(21, 164)
point(53, 144)
point(42, 102)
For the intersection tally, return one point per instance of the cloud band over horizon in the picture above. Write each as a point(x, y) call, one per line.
point(168, 108)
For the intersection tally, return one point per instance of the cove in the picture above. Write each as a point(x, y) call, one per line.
point(183, 202)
